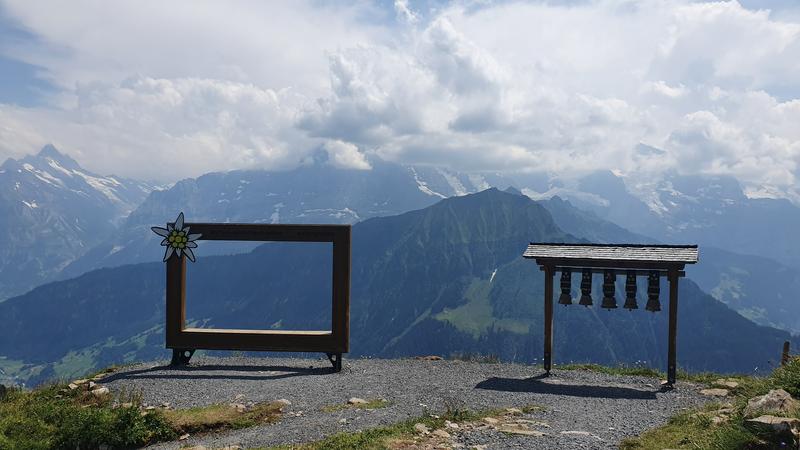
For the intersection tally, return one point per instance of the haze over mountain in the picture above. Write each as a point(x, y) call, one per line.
point(315, 193)
point(51, 212)
point(321, 193)
point(445, 279)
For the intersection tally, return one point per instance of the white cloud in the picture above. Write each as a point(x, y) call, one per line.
point(404, 12)
point(346, 156)
point(507, 86)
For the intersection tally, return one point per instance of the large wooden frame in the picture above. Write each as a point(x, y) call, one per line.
point(184, 341)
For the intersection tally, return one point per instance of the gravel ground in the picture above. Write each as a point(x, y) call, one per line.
point(583, 409)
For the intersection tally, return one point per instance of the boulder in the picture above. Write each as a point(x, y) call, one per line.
point(421, 428)
point(356, 401)
point(715, 392)
point(776, 401)
point(783, 429)
point(100, 391)
point(282, 403)
point(730, 384)
point(441, 433)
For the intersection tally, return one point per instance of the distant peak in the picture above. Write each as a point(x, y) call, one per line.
point(51, 152)
point(513, 190)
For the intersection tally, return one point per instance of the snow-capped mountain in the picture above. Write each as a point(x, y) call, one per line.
point(316, 193)
point(51, 212)
point(707, 210)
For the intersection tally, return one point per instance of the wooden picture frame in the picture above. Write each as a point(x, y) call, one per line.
point(184, 341)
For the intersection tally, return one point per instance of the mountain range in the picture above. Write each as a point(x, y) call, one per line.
point(51, 212)
point(63, 222)
point(445, 279)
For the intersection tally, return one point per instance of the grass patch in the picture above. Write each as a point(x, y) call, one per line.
point(619, 370)
point(55, 417)
point(220, 417)
point(707, 378)
point(371, 404)
point(696, 429)
point(379, 438)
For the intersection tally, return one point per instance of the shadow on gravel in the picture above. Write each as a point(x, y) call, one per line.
point(537, 386)
point(201, 372)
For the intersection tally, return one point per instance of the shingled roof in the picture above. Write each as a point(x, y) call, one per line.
point(667, 254)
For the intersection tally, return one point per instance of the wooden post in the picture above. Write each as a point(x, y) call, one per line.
point(672, 275)
point(785, 354)
point(176, 299)
point(549, 272)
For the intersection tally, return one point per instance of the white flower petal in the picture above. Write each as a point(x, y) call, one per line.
point(179, 222)
point(169, 252)
point(188, 252)
point(160, 231)
point(194, 237)
point(165, 241)
point(191, 244)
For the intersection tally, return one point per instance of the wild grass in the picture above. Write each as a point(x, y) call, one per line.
point(643, 371)
point(56, 417)
point(220, 417)
point(696, 429)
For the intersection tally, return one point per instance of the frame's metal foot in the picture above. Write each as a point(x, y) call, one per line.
point(181, 356)
point(336, 360)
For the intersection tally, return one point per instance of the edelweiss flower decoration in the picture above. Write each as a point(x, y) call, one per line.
point(177, 239)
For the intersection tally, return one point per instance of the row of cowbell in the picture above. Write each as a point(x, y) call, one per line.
point(609, 279)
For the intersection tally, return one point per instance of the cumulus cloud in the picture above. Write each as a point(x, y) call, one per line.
point(346, 156)
point(474, 86)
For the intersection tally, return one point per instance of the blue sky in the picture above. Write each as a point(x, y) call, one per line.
point(567, 87)
point(20, 83)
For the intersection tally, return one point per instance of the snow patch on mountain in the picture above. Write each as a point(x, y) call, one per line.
point(423, 186)
point(478, 182)
point(453, 181)
point(104, 185)
point(566, 193)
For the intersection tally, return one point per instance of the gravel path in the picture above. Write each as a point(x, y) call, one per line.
point(583, 409)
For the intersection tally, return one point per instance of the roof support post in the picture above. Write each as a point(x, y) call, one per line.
point(672, 275)
point(549, 272)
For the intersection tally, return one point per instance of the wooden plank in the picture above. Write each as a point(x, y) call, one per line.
point(609, 264)
point(673, 327)
point(258, 341)
point(265, 232)
point(259, 332)
point(340, 317)
point(548, 317)
point(175, 299)
point(687, 254)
